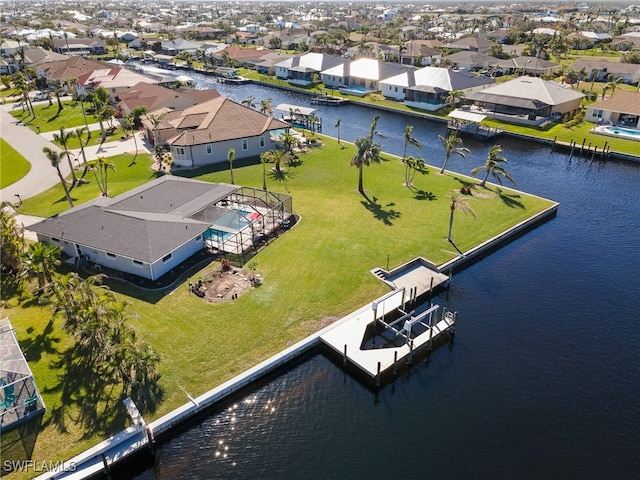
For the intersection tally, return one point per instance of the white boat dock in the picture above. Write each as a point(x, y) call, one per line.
point(348, 337)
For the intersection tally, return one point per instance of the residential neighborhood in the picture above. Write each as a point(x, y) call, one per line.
point(210, 208)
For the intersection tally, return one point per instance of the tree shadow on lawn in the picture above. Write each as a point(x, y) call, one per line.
point(215, 167)
point(379, 212)
point(35, 345)
point(93, 402)
point(510, 199)
point(420, 194)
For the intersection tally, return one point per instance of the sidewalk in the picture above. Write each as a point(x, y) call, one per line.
point(42, 175)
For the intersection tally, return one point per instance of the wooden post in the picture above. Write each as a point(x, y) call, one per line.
point(105, 465)
point(395, 363)
point(378, 376)
point(595, 150)
point(344, 356)
point(572, 143)
point(431, 288)
point(582, 147)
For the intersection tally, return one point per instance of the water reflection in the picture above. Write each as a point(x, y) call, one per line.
point(544, 379)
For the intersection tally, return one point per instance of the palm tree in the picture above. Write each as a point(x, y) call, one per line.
point(63, 139)
point(249, 101)
point(100, 168)
point(409, 139)
point(277, 157)
point(337, 125)
point(453, 96)
point(264, 159)
point(452, 144)
point(40, 260)
point(55, 158)
point(127, 124)
point(156, 120)
point(411, 166)
point(458, 202)
point(265, 106)
point(493, 166)
point(594, 75)
point(288, 140)
point(231, 156)
point(368, 153)
point(612, 85)
point(12, 244)
point(78, 133)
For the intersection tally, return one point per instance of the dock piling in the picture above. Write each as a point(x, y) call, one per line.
point(344, 357)
point(395, 363)
point(582, 147)
point(378, 376)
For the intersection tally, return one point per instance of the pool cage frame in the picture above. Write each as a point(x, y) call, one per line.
point(244, 220)
point(20, 399)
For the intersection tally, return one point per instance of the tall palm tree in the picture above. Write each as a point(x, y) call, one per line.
point(156, 120)
point(453, 96)
point(100, 168)
point(368, 153)
point(231, 156)
point(63, 138)
point(337, 125)
point(127, 124)
point(452, 145)
point(612, 85)
point(55, 158)
point(288, 140)
point(78, 133)
point(411, 166)
point(493, 166)
point(458, 202)
point(409, 139)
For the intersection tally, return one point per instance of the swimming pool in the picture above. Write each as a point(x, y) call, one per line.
point(629, 133)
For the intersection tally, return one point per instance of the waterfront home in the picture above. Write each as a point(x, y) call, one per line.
point(605, 70)
point(114, 79)
point(302, 69)
point(203, 134)
point(179, 45)
point(622, 109)
point(71, 67)
point(79, 46)
point(469, 60)
point(526, 100)
point(155, 97)
point(361, 76)
point(429, 87)
point(150, 230)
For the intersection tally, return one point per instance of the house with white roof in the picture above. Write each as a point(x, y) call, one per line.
point(362, 76)
point(299, 70)
point(429, 87)
point(527, 100)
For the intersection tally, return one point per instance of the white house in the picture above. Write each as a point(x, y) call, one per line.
point(361, 76)
point(429, 87)
point(203, 134)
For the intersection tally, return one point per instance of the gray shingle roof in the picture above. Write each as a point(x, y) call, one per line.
point(144, 224)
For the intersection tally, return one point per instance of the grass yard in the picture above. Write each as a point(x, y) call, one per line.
point(48, 119)
point(314, 273)
point(13, 166)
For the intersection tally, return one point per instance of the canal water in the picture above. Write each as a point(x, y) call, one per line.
point(543, 381)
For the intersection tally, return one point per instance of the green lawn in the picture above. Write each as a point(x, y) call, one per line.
point(13, 166)
point(48, 119)
point(317, 271)
point(126, 176)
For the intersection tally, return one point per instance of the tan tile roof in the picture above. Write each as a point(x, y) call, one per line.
point(622, 102)
point(220, 119)
point(73, 67)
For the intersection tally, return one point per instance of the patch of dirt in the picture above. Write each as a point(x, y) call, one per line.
point(222, 286)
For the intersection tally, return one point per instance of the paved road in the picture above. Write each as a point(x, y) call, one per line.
point(42, 175)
